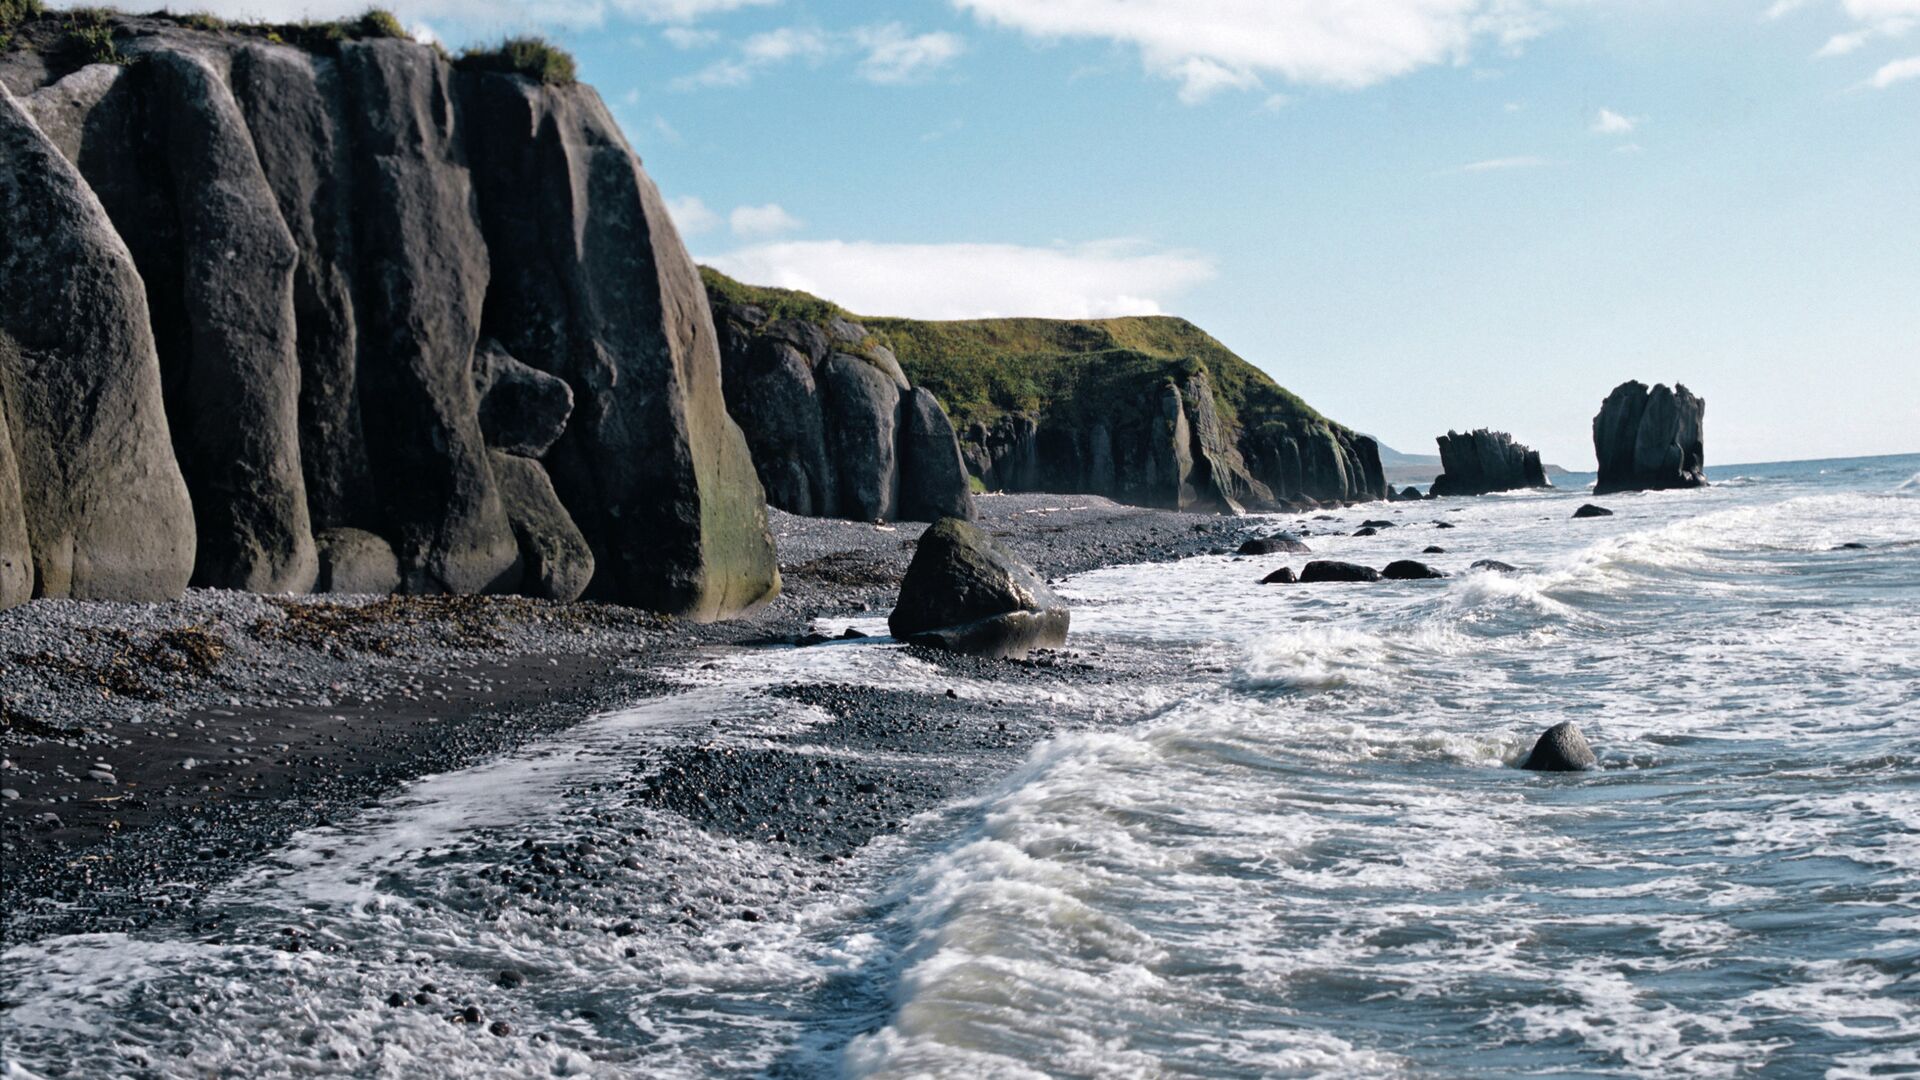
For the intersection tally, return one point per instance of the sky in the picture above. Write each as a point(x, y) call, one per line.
point(1417, 214)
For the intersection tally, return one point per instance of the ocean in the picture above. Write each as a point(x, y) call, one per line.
point(1298, 847)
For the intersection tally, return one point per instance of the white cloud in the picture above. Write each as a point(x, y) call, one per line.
point(1609, 122)
point(895, 56)
point(1877, 19)
point(1500, 164)
point(683, 11)
point(686, 37)
point(973, 281)
point(692, 216)
point(1209, 45)
point(753, 222)
point(757, 53)
point(1897, 72)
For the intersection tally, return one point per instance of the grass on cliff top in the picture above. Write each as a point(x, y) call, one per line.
point(981, 369)
point(535, 57)
point(90, 29)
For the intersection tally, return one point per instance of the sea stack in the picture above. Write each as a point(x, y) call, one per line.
point(1485, 461)
point(1650, 440)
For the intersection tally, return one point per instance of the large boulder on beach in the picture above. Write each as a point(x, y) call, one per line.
point(1561, 748)
point(1480, 462)
point(102, 499)
point(1650, 439)
point(1332, 570)
point(966, 593)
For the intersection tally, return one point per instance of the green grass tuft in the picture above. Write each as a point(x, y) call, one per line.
point(379, 23)
point(534, 57)
point(93, 45)
point(15, 12)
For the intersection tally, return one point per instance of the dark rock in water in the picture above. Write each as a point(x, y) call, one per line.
point(1366, 530)
point(966, 593)
point(1433, 549)
point(1445, 525)
point(355, 561)
point(1485, 461)
point(1282, 576)
point(1494, 566)
point(1376, 524)
point(933, 479)
point(1650, 440)
point(851, 634)
point(523, 410)
point(1588, 510)
point(1412, 494)
point(1410, 570)
point(557, 562)
point(1561, 749)
point(102, 501)
point(1272, 545)
point(1851, 545)
point(1329, 570)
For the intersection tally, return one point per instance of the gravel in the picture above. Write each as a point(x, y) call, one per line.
point(149, 751)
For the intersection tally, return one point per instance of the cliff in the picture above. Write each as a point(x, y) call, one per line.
point(1149, 411)
point(835, 427)
point(1483, 461)
point(1650, 440)
point(309, 304)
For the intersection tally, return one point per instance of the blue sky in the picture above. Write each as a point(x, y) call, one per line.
point(1418, 214)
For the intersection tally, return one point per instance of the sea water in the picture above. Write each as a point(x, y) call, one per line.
point(1309, 853)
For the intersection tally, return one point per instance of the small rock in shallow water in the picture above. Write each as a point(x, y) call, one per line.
point(1329, 570)
point(1589, 510)
point(1410, 570)
point(1561, 749)
point(1434, 549)
point(1366, 530)
point(1851, 545)
point(1494, 566)
point(1271, 545)
point(500, 1027)
point(1282, 576)
point(511, 979)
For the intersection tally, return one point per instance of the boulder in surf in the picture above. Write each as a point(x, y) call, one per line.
point(1321, 570)
point(966, 593)
point(1561, 748)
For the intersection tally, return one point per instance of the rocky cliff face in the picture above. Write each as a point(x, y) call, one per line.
point(1177, 453)
point(835, 428)
point(262, 307)
point(1649, 440)
point(1484, 461)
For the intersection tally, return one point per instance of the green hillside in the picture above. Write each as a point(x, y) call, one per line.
point(983, 368)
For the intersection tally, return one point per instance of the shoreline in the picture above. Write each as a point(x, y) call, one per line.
point(152, 752)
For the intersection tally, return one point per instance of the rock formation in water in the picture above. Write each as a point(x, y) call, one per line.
point(966, 593)
point(1650, 440)
point(1149, 411)
point(273, 316)
point(1485, 461)
point(1561, 748)
point(835, 428)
